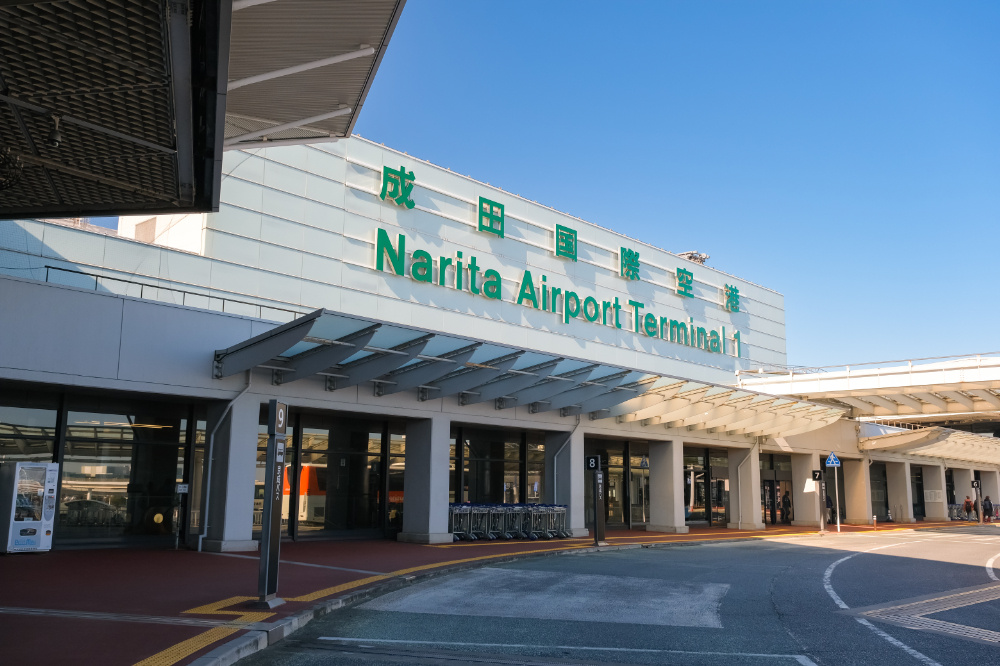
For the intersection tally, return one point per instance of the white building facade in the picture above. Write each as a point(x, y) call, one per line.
point(438, 341)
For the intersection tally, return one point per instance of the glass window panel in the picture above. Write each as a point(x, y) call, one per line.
point(154, 426)
point(535, 483)
point(718, 458)
point(118, 489)
point(22, 449)
point(397, 469)
point(782, 463)
point(28, 422)
point(397, 440)
point(536, 447)
point(511, 483)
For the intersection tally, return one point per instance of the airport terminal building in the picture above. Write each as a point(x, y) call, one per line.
point(438, 341)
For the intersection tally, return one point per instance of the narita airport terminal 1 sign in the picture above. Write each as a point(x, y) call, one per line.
point(397, 185)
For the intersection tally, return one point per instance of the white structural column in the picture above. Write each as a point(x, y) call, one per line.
point(666, 487)
point(963, 485)
point(565, 476)
point(858, 487)
point(744, 489)
point(425, 503)
point(900, 491)
point(990, 485)
point(234, 469)
point(935, 495)
point(805, 491)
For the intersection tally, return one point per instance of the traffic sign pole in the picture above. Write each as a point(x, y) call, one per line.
point(836, 488)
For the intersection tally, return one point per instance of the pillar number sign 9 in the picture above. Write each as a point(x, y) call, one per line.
point(593, 463)
point(277, 418)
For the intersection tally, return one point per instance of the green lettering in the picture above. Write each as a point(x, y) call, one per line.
point(636, 306)
point(422, 266)
point(492, 285)
point(713, 342)
point(649, 323)
point(678, 332)
point(566, 306)
point(443, 263)
point(702, 338)
point(527, 291)
point(383, 248)
point(588, 303)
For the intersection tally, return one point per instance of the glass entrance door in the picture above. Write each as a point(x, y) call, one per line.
point(769, 508)
point(639, 494)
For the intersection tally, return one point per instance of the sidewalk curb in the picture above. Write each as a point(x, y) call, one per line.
point(262, 634)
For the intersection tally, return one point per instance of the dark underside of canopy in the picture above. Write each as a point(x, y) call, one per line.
point(137, 88)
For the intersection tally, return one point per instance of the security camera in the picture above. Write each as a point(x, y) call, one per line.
point(55, 136)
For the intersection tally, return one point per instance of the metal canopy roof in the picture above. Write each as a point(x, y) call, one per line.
point(136, 91)
point(129, 89)
point(301, 69)
point(348, 351)
point(936, 442)
point(963, 390)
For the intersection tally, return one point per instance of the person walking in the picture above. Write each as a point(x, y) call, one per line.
point(987, 509)
point(786, 509)
point(829, 508)
point(968, 507)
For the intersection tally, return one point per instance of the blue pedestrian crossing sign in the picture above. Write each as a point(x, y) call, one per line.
point(833, 460)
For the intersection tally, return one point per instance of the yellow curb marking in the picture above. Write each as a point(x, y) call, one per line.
point(175, 653)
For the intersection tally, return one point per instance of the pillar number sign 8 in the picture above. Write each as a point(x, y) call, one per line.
point(593, 463)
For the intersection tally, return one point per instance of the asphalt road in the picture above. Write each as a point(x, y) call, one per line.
point(902, 597)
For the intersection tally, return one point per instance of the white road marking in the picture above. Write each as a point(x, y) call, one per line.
point(828, 586)
point(989, 567)
point(367, 642)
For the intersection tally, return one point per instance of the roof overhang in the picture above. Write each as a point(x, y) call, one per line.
point(348, 351)
point(146, 96)
point(933, 442)
point(300, 70)
point(135, 92)
point(963, 390)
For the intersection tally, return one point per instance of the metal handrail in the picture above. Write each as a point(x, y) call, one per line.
point(184, 294)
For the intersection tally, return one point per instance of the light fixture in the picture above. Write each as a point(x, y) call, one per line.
point(55, 136)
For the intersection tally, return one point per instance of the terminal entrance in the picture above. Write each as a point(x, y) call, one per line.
point(343, 476)
point(626, 486)
point(776, 489)
point(706, 486)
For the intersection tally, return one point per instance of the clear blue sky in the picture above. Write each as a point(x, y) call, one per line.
point(845, 154)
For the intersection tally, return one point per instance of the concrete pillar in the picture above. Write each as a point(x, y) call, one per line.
point(935, 497)
point(565, 476)
point(897, 475)
point(234, 468)
point(858, 487)
point(744, 489)
point(806, 501)
point(990, 485)
point(666, 487)
point(425, 481)
point(963, 486)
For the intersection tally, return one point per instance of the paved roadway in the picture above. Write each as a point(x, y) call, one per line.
point(897, 597)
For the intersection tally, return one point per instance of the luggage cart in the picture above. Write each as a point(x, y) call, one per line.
point(539, 522)
point(479, 522)
point(496, 524)
point(560, 522)
point(461, 522)
point(515, 522)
